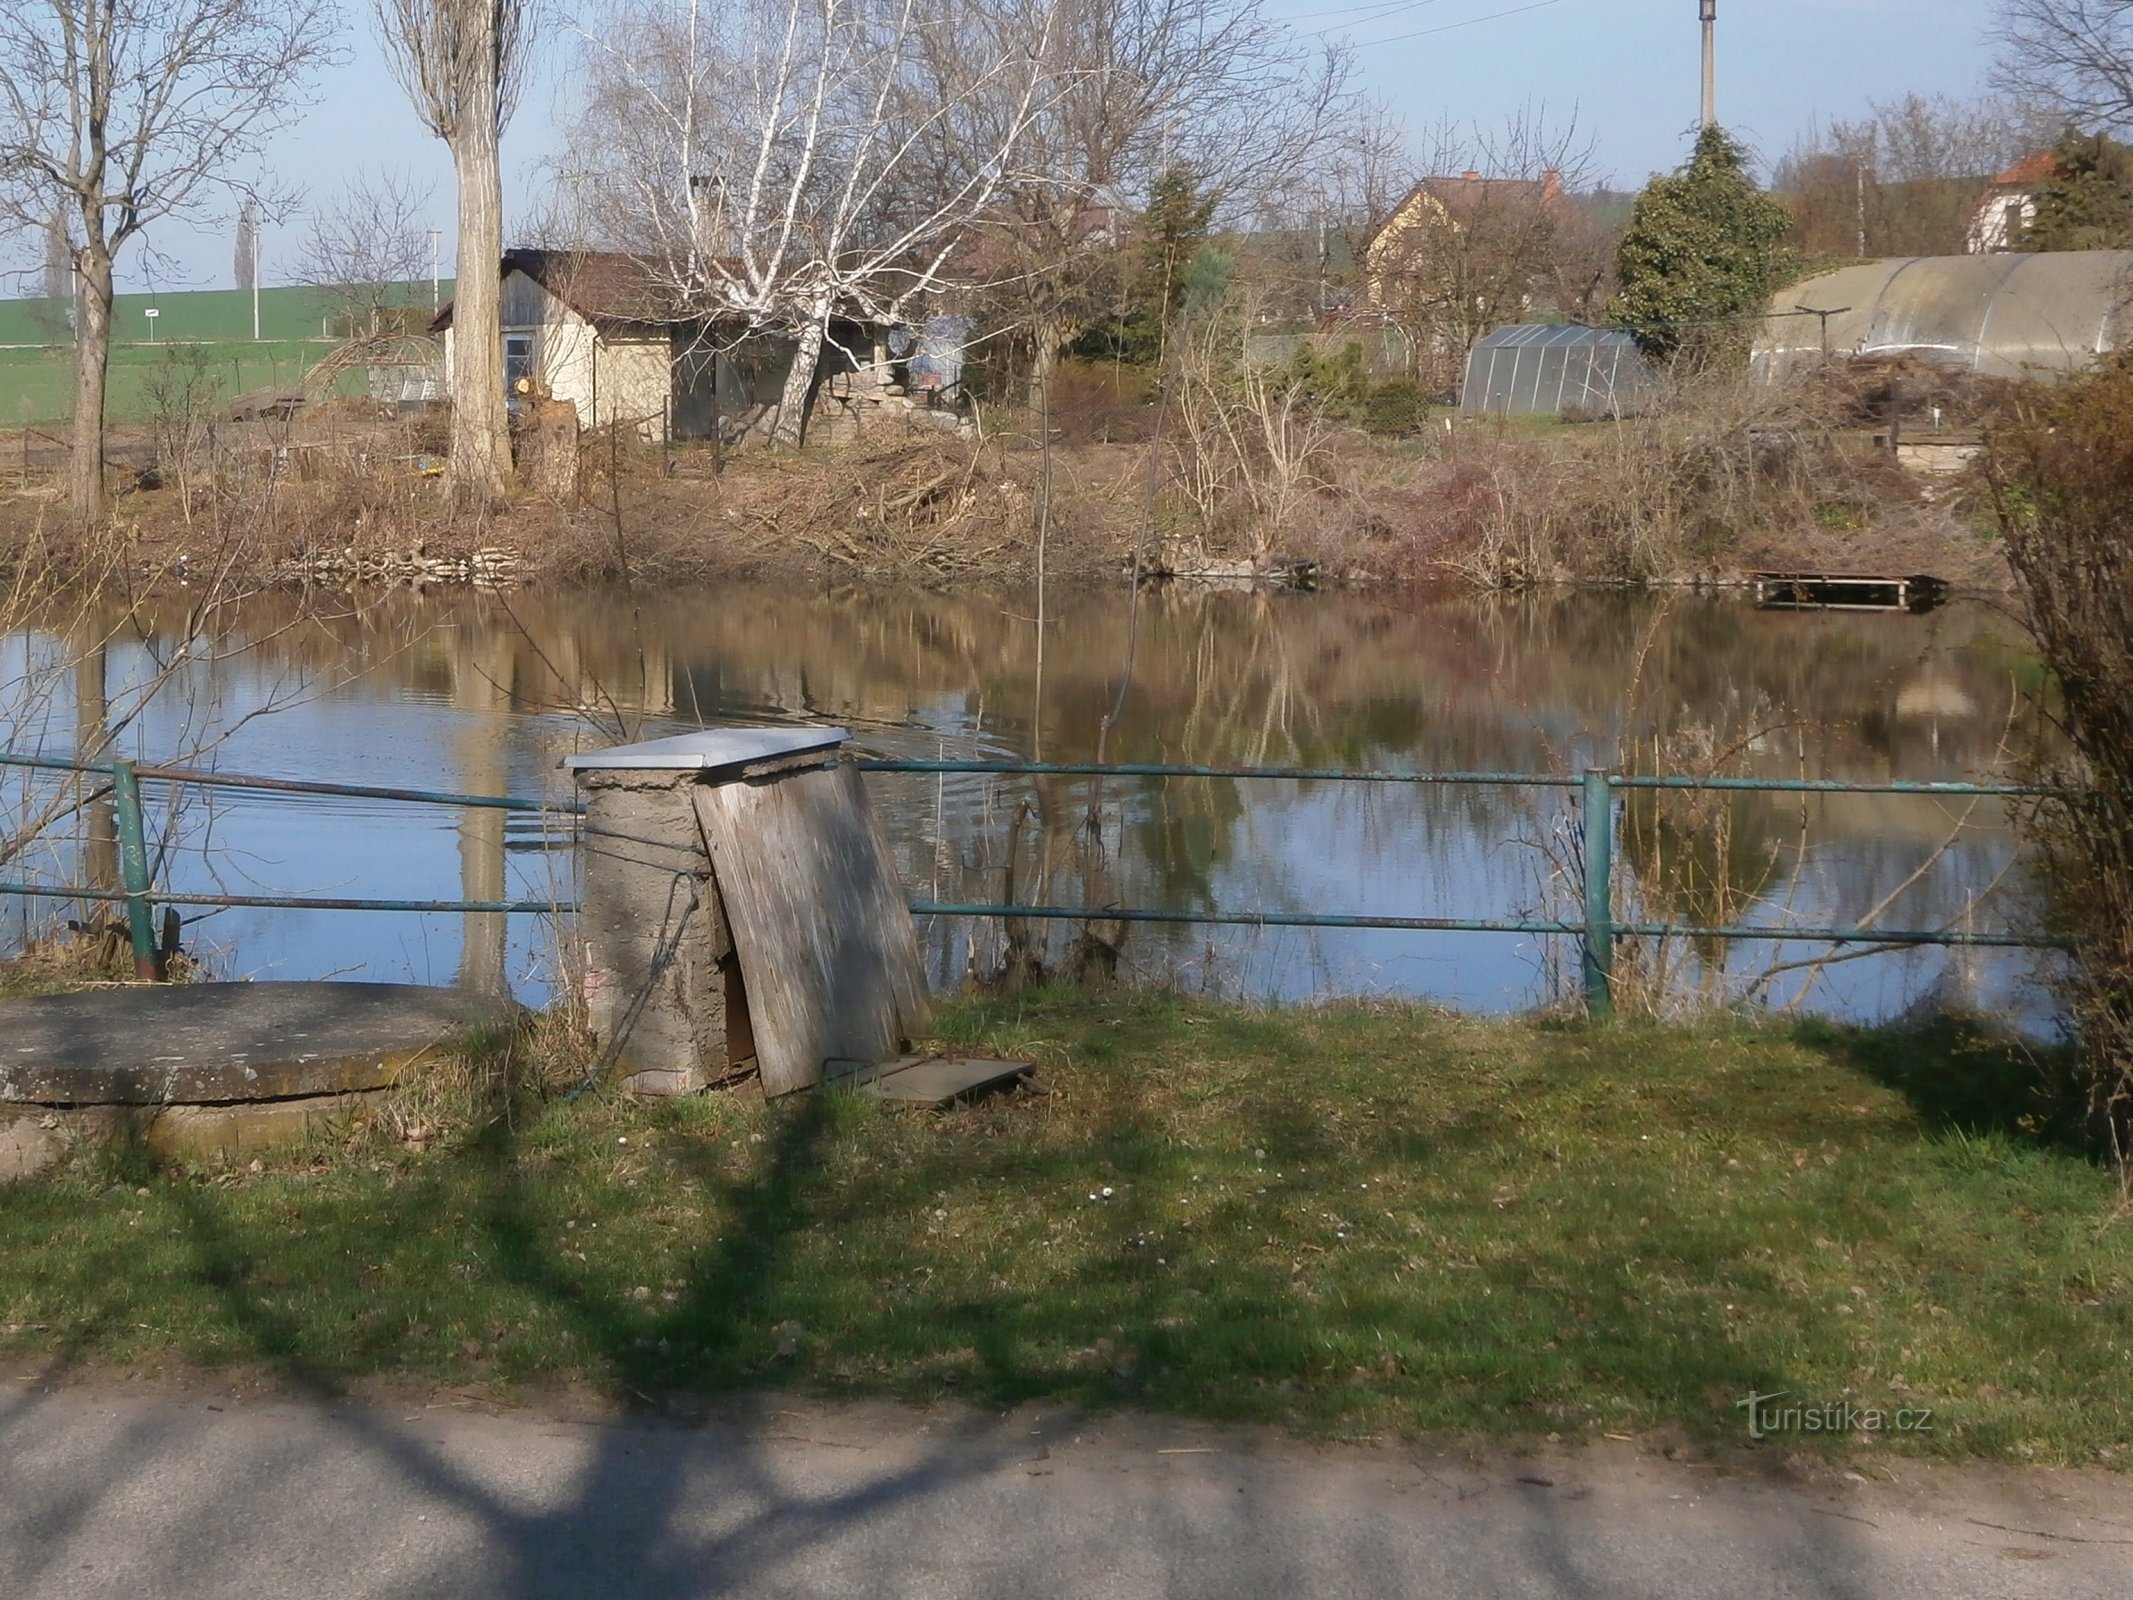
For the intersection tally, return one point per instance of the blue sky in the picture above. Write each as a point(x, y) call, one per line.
point(1628, 68)
point(1632, 69)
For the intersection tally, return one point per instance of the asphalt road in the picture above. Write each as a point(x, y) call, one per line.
point(109, 1490)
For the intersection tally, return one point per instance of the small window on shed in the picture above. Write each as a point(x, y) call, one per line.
point(518, 360)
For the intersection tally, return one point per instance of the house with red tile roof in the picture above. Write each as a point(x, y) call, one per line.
point(2009, 206)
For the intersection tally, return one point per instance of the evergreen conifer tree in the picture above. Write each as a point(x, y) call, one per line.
point(1703, 253)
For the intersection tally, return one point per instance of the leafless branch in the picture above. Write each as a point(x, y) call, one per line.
point(2076, 56)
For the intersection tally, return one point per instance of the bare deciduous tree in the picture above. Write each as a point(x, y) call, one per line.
point(1904, 180)
point(2074, 57)
point(1490, 232)
point(775, 164)
point(1216, 87)
point(366, 246)
point(126, 113)
point(776, 160)
point(462, 64)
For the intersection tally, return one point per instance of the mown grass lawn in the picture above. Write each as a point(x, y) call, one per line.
point(1351, 1220)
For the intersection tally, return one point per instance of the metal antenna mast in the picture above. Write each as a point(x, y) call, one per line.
point(1708, 11)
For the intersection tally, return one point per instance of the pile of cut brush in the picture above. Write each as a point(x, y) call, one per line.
point(933, 507)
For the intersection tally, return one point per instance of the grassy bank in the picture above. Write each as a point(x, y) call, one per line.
point(1353, 1220)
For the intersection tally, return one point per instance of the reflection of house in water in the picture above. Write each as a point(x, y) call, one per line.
point(606, 332)
point(1932, 695)
point(1933, 698)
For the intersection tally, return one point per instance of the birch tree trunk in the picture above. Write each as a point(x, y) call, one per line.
point(481, 436)
point(92, 362)
point(791, 430)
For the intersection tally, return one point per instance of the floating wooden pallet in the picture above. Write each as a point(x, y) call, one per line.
point(1846, 591)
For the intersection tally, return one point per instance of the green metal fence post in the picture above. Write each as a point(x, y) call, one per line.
point(1599, 896)
point(133, 869)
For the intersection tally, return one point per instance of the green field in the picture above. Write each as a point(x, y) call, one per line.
point(210, 326)
point(37, 386)
point(199, 314)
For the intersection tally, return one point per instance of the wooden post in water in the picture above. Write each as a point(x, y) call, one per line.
point(742, 916)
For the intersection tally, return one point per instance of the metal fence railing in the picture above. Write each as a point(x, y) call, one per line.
point(1597, 791)
point(1598, 930)
point(138, 894)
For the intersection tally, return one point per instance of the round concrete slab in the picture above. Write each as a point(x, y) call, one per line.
point(220, 1043)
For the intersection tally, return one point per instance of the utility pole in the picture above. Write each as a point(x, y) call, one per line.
point(1708, 11)
point(1862, 208)
point(1322, 259)
point(434, 232)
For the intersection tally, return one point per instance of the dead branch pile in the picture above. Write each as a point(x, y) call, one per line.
point(931, 508)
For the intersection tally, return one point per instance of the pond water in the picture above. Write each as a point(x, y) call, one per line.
point(486, 693)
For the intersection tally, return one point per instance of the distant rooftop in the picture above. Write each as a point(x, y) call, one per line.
point(2033, 169)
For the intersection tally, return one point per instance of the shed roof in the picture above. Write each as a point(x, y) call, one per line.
point(599, 285)
point(2001, 316)
point(610, 288)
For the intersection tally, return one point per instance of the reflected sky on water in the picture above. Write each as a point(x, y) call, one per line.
point(486, 694)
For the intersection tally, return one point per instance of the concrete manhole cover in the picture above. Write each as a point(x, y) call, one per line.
point(217, 1043)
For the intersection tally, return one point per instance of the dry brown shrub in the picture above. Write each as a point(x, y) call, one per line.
point(1102, 403)
point(920, 509)
point(2062, 480)
point(1723, 475)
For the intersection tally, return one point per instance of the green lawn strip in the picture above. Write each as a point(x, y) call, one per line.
point(1353, 1220)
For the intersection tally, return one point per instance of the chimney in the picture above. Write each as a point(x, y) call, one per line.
point(1470, 176)
point(1552, 184)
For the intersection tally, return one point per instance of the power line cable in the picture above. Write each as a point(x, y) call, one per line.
point(1440, 28)
point(1447, 27)
point(1374, 11)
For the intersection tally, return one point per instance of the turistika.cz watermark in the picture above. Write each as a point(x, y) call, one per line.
point(1767, 1415)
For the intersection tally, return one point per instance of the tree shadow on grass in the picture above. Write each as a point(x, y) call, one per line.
point(625, 1526)
point(1965, 1075)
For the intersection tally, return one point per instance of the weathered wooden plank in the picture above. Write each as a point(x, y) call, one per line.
point(932, 1081)
point(828, 955)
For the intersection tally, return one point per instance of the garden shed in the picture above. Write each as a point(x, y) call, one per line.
point(599, 329)
point(1555, 370)
point(1999, 316)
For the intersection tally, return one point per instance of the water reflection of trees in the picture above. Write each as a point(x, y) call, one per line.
point(1431, 680)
